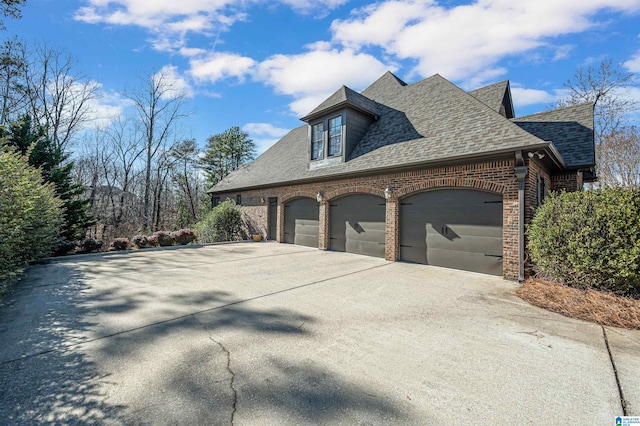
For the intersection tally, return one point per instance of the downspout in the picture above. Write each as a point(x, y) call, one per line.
point(521, 171)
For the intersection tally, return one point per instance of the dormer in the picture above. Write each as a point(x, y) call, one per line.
point(337, 125)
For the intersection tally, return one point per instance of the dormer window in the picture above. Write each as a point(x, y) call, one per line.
point(317, 141)
point(335, 136)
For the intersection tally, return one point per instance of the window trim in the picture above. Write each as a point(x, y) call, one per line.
point(321, 141)
point(326, 138)
point(341, 134)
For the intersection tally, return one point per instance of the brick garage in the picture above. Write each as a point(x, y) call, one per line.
point(382, 162)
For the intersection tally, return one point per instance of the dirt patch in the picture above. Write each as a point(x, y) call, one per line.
point(589, 305)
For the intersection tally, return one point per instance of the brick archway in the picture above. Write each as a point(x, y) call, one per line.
point(479, 184)
point(357, 189)
point(297, 194)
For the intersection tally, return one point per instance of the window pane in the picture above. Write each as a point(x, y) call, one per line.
point(317, 139)
point(335, 135)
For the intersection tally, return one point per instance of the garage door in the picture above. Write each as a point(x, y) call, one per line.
point(301, 222)
point(454, 228)
point(357, 224)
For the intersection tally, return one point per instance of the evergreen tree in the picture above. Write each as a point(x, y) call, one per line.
point(225, 152)
point(55, 168)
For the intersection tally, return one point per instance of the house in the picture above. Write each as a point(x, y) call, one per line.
point(422, 172)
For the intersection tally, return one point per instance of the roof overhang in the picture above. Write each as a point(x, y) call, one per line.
point(336, 107)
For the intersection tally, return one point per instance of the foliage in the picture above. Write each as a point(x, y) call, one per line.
point(62, 247)
point(223, 223)
point(55, 168)
point(183, 236)
point(225, 152)
point(10, 9)
point(89, 245)
point(141, 241)
point(589, 239)
point(30, 213)
point(164, 239)
point(119, 244)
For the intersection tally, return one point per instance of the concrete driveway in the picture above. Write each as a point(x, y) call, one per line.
point(265, 333)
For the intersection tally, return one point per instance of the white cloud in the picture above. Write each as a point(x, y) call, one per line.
point(218, 66)
point(268, 129)
point(524, 97)
point(105, 108)
point(462, 41)
point(312, 76)
point(174, 81)
point(633, 64)
point(170, 21)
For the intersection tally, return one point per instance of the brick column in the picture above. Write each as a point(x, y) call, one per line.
point(391, 230)
point(280, 223)
point(323, 223)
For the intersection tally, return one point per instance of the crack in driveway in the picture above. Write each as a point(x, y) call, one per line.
point(234, 392)
point(623, 401)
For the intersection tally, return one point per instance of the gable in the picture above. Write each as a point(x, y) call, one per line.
point(496, 96)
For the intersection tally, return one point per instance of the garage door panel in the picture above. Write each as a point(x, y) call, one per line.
point(357, 225)
point(470, 243)
point(467, 261)
point(301, 222)
point(456, 228)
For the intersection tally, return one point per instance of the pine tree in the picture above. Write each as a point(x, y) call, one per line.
point(55, 168)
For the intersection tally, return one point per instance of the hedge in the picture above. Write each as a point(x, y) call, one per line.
point(589, 239)
point(223, 223)
point(30, 214)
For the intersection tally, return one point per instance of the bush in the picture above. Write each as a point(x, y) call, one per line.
point(589, 239)
point(119, 244)
point(223, 223)
point(183, 236)
point(153, 241)
point(164, 239)
point(63, 247)
point(142, 241)
point(30, 214)
point(89, 245)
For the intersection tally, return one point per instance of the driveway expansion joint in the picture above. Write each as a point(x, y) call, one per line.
point(623, 401)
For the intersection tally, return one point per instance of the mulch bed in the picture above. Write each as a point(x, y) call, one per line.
point(589, 305)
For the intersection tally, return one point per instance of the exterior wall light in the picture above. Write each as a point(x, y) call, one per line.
point(388, 191)
point(320, 197)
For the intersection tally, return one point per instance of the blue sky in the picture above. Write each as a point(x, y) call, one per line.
point(261, 65)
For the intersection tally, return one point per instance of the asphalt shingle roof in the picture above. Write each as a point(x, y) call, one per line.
point(343, 97)
point(429, 121)
point(492, 95)
point(570, 129)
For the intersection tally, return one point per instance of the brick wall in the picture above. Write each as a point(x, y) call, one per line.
point(569, 182)
point(495, 176)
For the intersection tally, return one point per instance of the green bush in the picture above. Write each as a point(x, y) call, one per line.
point(223, 223)
point(119, 244)
point(589, 239)
point(30, 214)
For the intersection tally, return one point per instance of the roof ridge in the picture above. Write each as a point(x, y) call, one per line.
point(583, 104)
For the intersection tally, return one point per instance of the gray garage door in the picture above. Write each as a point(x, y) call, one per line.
point(454, 228)
point(301, 222)
point(357, 224)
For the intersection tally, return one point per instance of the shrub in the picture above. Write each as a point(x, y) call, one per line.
point(141, 241)
point(223, 223)
point(589, 239)
point(30, 214)
point(89, 245)
point(152, 240)
point(164, 238)
point(183, 236)
point(63, 247)
point(119, 244)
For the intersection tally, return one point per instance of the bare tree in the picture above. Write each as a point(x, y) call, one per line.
point(186, 178)
point(604, 87)
point(58, 97)
point(620, 158)
point(12, 67)
point(159, 105)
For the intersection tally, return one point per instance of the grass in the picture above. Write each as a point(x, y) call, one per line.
point(589, 305)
